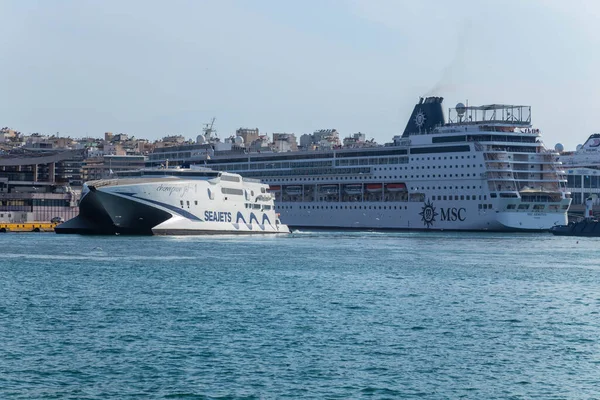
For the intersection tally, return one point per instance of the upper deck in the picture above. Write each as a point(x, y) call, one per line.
point(492, 115)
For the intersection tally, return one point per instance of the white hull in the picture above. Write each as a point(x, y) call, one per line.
point(444, 215)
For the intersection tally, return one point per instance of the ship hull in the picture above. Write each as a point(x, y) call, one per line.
point(179, 208)
point(427, 215)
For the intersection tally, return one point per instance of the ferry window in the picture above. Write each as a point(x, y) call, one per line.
point(462, 197)
point(445, 198)
point(181, 201)
point(456, 197)
point(538, 207)
point(195, 202)
point(485, 197)
point(480, 206)
point(468, 197)
point(511, 206)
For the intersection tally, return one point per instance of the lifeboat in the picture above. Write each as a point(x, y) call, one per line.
point(374, 187)
point(274, 188)
point(293, 190)
point(395, 187)
point(353, 189)
point(329, 189)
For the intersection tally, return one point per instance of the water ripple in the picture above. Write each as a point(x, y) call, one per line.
point(330, 315)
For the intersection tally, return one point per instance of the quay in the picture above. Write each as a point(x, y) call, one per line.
point(27, 226)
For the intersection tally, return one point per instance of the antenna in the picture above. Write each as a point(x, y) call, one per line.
point(209, 130)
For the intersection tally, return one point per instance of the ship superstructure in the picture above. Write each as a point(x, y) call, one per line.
point(485, 168)
point(583, 170)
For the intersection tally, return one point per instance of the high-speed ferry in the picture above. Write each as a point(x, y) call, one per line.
point(485, 168)
point(176, 201)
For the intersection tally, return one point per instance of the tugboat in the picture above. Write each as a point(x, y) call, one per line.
point(588, 226)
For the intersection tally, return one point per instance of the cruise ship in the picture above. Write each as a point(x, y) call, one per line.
point(485, 168)
point(175, 201)
point(583, 170)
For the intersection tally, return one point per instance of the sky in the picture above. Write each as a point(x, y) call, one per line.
point(155, 68)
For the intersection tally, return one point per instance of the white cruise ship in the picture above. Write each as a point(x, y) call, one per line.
point(175, 201)
point(485, 168)
point(583, 170)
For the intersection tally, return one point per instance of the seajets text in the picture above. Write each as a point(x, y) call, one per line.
point(217, 216)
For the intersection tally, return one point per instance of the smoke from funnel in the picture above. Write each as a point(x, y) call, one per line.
point(451, 73)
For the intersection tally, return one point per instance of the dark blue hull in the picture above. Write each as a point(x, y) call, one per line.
point(582, 228)
point(106, 214)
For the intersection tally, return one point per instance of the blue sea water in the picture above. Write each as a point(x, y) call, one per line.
point(315, 315)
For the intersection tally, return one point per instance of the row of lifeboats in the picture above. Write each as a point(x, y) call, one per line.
point(350, 189)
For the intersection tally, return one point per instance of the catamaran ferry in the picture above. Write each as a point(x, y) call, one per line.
point(175, 201)
point(485, 168)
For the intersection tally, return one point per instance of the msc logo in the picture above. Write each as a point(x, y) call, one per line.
point(428, 214)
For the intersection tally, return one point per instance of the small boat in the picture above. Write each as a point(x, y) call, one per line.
point(293, 190)
point(353, 189)
point(588, 226)
point(395, 187)
point(329, 189)
point(374, 187)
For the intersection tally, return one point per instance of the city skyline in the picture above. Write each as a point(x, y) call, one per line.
point(149, 69)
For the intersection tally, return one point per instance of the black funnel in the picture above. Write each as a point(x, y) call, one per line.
point(427, 114)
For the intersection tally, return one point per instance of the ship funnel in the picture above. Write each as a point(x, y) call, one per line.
point(426, 115)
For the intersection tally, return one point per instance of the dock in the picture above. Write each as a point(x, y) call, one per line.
point(27, 227)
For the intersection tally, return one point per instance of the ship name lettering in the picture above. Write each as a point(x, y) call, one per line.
point(217, 216)
point(453, 214)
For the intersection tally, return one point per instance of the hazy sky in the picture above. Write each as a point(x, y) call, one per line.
point(152, 68)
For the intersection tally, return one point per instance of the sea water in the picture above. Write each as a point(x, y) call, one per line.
point(327, 315)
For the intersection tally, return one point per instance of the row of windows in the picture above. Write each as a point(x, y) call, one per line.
point(284, 207)
point(308, 172)
point(360, 177)
point(327, 163)
point(247, 205)
point(484, 206)
point(457, 197)
point(587, 181)
point(232, 191)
